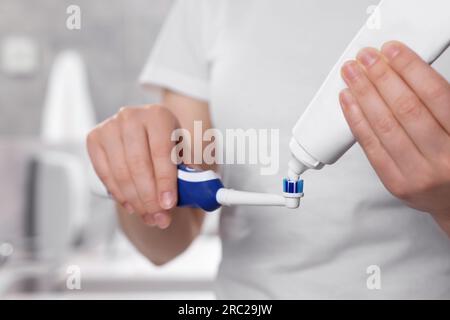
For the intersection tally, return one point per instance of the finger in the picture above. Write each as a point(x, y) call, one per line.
point(103, 171)
point(420, 125)
point(113, 145)
point(432, 88)
point(391, 135)
point(164, 169)
point(139, 163)
point(377, 155)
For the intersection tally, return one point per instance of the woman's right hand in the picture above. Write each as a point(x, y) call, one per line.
point(131, 154)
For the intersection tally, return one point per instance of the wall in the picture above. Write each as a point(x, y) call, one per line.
point(115, 39)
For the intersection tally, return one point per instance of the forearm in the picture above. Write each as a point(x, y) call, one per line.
point(161, 246)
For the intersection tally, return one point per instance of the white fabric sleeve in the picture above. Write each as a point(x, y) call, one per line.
point(179, 60)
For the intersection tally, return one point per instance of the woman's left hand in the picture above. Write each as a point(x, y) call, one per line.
point(398, 108)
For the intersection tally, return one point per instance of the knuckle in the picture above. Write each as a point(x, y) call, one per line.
point(160, 144)
point(137, 205)
point(118, 198)
point(104, 177)
point(124, 110)
point(361, 88)
point(370, 144)
point(158, 112)
point(132, 198)
point(150, 202)
point(165, 180)
point(122, 175)
point(138, 164)
point(126, 114)
point(155, 108)
point(91, 138)
point(400, 191)
point(438, 92)
point(406, 64)
point(161, 151)
point(115, 194)
point(380, 72)
point(107, 126)
point(407, 106)
point(356, 122)
point(385, 125)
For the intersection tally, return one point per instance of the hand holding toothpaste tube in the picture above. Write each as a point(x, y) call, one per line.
point(398, 108)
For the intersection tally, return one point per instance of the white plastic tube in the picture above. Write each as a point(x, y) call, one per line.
point(321, 135)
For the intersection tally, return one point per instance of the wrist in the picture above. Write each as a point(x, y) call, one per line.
point(443, 220)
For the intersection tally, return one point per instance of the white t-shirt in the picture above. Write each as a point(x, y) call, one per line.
point(258, 63)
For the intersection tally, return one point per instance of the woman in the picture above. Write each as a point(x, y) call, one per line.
point(256, 64)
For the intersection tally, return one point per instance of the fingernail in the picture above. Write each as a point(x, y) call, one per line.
point(161, 220)
point(128, 208)
point(350, 70)
point(167, 200)
point(368, 57)
point(149, 219)
point(391, 50)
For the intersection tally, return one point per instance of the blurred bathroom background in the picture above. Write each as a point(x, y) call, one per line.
point(58, 238)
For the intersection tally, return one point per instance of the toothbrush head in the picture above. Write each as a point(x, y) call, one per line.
point(292, 186)
point(292, 191)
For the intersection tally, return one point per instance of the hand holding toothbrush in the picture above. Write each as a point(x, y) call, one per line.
point(130, 153)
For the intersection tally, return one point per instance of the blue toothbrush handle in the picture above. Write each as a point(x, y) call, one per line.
point(198, 189)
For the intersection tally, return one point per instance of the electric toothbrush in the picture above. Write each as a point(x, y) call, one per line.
point(205, 190)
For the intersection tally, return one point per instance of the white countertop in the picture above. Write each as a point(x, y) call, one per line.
point(125, 274)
